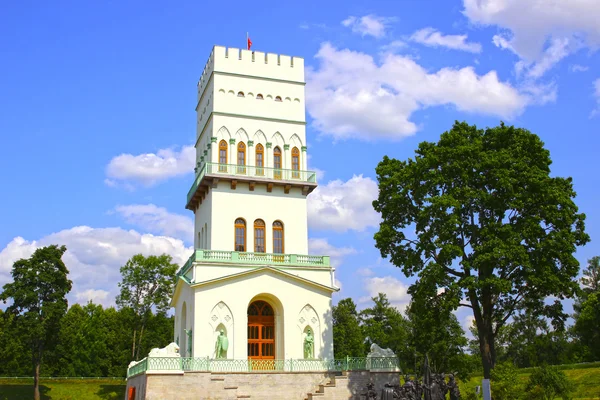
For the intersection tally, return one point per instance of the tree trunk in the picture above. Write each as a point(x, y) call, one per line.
point(133, 347)
point(485, 332)
point(139, 345)
point(36, 380)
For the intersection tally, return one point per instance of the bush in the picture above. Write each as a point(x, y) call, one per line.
point(548, 383)
point(505, 382)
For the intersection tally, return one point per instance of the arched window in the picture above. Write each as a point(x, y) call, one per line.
point(241, 158)
point(223, 156)
point(278, 238)
point(240, 234)
point(277, 162)
point(295, 163)
point(277, 98)
point(259, 96)
point(259, 236)
point(241, 94)
point(260, 159)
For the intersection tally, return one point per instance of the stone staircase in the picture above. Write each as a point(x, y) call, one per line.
point(218, 385)
point(335, 389)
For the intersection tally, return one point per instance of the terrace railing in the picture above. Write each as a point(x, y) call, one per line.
point(204, 364)
point(251, 171)
point(243, 257)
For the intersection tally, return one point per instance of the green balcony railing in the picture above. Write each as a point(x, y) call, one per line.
point(251, 171)
point(242, 257)
point(204, 364)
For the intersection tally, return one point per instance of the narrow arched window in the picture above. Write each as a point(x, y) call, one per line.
point(278, 98)
point(278, 238)
point(260, 159)
point(241, 158)
point(259, 96)
point(241, 94)
point(240, 234)
point(277, 162)
point(259, 236)
point(295, 163)
point(223, 156)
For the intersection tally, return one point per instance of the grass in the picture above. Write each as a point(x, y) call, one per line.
point(587, 380)
point(67, 389)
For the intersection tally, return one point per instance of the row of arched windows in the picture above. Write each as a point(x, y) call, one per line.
point(259, 236)
point(259, 156)
point(260, 97)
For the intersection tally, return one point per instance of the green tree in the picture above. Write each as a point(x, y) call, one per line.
point(491, 226)
point(147, 284)
point(548, 383)
point(505, 382)
point(384, 325)
point(434, 330)
point(38, 293)
point(587, 326)
point(348, 338)
point(591, 276)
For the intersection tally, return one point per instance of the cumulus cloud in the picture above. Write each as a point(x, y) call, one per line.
point(395, 290)
point(350, 95)
point(336, 254)
point(539, 31)
point(433, 38)
point(94, 256)
point(158, 220)
point(149, 169)
point(342, 206)
point(368, 25)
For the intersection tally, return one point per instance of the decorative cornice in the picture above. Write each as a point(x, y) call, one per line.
point(231, 141)
point(303, 148)
point(213, 139)
point(250, 143)
point(269, 144)
point(286, 146)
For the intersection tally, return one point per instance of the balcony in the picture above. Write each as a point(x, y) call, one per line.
point(247, 258)
point(211, 173)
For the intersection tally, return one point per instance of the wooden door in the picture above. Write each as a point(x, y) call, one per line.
point(261, 331)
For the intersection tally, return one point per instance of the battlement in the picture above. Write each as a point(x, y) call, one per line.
point(253, 64)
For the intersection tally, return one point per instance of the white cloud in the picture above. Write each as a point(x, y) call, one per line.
point(341, 206)
point(95, 296)
point(365, 272)
point(395, 290)
point(368, 25)
point(323, 247)
point(539, 31)
point(433, 38)
point(158, 220)
point(578, 68)
point(349, 95)
point(149, 169)
point(558, 49)
point(596, 85)
point(94, 256)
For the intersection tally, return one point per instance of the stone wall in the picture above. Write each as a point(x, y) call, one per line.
point(258, 386)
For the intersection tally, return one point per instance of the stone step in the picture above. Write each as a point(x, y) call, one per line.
point(315, 395)
point(243, 396)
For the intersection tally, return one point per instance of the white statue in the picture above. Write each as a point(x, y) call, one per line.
point(377, 351)
point(172, 350)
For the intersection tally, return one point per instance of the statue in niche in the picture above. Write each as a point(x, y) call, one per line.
point(221, 345)
point(189, 342)
point(309, 341)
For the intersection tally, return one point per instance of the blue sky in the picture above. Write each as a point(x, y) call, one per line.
point(97, 114)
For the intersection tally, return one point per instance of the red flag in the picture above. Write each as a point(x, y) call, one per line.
point(249, 43)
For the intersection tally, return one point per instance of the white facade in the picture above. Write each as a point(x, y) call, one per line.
point(251, 108)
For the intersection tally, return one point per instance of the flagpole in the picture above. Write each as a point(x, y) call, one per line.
point(247, 41)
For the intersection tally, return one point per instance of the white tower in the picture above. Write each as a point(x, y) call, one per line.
point(250, 275)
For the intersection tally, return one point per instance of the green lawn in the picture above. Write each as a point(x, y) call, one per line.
point(587, 381)
point(71, 389)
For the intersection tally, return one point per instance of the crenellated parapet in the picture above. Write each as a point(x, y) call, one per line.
point(230, 60)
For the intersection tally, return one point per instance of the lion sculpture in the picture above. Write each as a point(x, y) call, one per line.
point(171, 350)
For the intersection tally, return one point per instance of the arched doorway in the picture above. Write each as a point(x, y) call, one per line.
point(261, 331)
